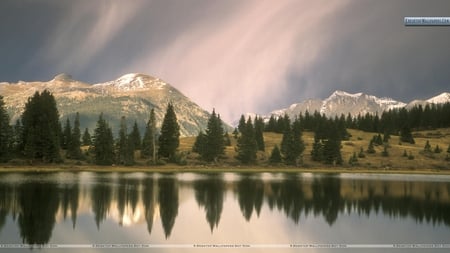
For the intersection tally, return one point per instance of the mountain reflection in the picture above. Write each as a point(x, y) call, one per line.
point(35, 206)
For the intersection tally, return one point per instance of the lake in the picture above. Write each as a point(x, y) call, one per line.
point(194, 212)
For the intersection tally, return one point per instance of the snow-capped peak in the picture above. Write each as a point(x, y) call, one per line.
point(440, 99)
point(134, 81)
point(341, 93)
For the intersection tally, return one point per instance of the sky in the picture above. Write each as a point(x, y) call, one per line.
point(236, 56)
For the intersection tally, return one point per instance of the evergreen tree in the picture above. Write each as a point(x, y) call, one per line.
point(235, 133)
point(292, 145)
point(67, 135)
point(103, 143)
point(377, 140)
point(437, 149)
point(317, 150)
point(149, 140)
point(170, 134)
point(427, 147)
point(286, 138)
point(241, 124)
point(212, 142)
point(17, 137)
point(74, 146)
point(200, 143)
point(406, 135)
point(41, 129)
point(5, 133)
point(275, 156)
point(271, 125)
point(353, 160)
point(259, 129)
point(87, 141)
point(370, 148)
point(361, 153)
point(226, 139)
point(135, 136)
point(246, 146)
point(125, 149)
point(405, 154)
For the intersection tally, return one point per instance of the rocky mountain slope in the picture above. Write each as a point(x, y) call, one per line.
point(131, 95)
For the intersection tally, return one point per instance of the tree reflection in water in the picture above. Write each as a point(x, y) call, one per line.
point(34, 205)
point(168, 203)
point(209, 194)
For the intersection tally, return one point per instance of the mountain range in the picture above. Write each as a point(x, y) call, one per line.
point(341, 102)
point(134, 95)
point(131, 95)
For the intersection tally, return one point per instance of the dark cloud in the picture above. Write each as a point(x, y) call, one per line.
point(370, 50)
point(236, 56)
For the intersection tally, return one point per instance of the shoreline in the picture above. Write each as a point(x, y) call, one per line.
point(214, 169)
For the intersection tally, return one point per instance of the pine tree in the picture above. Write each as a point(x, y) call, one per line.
point(41, 129)
point(149, 139)
point(437, 149)
point(259, 129)
point(246, 146)
point(406, 135)
point(125, 149)
point(170, 134)
point(17, 137)
point(5, 133)
point(271, 125)
point(361, 153)
point(103, 143)
point(226, 139)
point(317, 150)
point(135, 136)
point(214, 144)
point(67, 135)
point(241, 124)
point(87, 141)
point(275, 156)
point(405, 154)
point(353, 160)
point(74, 145)
point(292, 145)
point(200, 143)
point(427, 147)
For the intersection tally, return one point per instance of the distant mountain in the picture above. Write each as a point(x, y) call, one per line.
point(131, 95)
point(341, 102)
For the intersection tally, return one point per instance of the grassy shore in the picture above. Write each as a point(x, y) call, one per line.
point(216, 169)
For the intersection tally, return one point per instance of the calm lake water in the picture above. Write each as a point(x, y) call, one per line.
point(177, 212)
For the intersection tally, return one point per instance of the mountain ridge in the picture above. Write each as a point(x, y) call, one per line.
point(342, 102)
point(131, 95)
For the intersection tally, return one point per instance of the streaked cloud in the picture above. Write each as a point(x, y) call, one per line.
point(235, 56)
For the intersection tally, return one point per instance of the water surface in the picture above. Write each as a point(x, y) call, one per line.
point(187, 209)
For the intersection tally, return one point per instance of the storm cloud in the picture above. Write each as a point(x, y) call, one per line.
point(235, 56)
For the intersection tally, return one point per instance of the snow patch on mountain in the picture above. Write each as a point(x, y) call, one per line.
point(440, 99)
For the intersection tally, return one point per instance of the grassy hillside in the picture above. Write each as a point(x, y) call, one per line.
point(395, 160)
point(359, 139)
